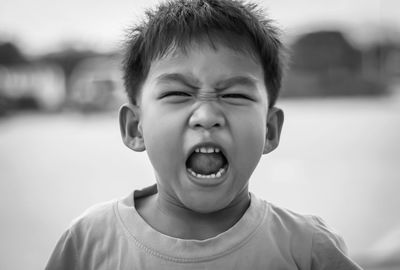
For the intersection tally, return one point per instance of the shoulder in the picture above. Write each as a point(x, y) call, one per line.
point(96, 213)
point(312, 243)
point(86, 237)
point(325, 236)
point(297, 230)
point(311, 226)
point(90, 226)
point(329, 250)
point(291, 222)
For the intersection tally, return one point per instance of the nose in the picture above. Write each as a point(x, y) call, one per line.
point(207, 115)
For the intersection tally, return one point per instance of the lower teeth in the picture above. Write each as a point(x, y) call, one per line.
point(213, 175)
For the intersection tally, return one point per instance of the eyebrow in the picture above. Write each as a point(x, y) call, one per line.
point(179, 78)
point(237, 80)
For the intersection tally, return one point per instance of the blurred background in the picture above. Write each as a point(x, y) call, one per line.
point(61, 152)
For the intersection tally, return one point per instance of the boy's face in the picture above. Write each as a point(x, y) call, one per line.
point(202, 118)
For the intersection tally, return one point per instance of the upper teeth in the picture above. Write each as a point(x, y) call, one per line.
point(207, 150)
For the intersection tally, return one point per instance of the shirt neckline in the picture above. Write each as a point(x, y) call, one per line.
point(187, 250)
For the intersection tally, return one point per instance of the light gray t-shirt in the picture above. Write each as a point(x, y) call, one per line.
point(114, 236)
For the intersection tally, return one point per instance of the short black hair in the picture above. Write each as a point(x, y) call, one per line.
point(177, 23)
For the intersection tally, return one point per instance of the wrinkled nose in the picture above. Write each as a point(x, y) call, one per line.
point(207, 115)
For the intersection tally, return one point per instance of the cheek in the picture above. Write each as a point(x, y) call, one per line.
point(257, 130)
point(163, 140)
point(251, 126)
point(250, 136)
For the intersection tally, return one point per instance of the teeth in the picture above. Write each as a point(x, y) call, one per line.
point(220, 172)
point(213, 175)
point(207, 150)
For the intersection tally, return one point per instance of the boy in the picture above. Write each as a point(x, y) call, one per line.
point(202, 78)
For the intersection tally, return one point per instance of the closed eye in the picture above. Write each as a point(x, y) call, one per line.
point(174, 94)
point(237, 96)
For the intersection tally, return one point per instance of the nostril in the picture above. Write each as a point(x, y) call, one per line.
point(206, 116)
point(207, 124)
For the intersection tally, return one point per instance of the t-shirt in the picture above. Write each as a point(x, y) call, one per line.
point(114, 236)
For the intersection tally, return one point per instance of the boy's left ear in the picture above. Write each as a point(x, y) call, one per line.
point(274, 126)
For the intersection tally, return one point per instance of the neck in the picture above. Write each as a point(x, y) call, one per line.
point(176, 220)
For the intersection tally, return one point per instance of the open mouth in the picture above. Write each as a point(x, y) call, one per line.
point(207, 162)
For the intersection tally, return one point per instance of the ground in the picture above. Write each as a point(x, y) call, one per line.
point(338, 158)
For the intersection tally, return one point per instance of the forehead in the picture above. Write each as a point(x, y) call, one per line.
point(214, 40)
point(205, 61)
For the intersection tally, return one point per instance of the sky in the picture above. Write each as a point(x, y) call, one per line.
point(44, 25)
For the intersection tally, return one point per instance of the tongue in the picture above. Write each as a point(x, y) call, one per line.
point(206, 163)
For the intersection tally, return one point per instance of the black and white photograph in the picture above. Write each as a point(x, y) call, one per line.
point(200, 134)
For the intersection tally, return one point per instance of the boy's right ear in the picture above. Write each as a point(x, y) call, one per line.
point(131, 127)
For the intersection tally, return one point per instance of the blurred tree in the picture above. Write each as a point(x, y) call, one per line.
point(10, 55)
point(67, 59)
point(325, 50)
point(324, 63)
point(383, 60)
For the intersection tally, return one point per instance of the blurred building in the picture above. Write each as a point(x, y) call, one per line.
point(32, 85)
point(382, 59)
point(325, 63)
point(96, 84)
point(322, 63)
point(27, 84)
